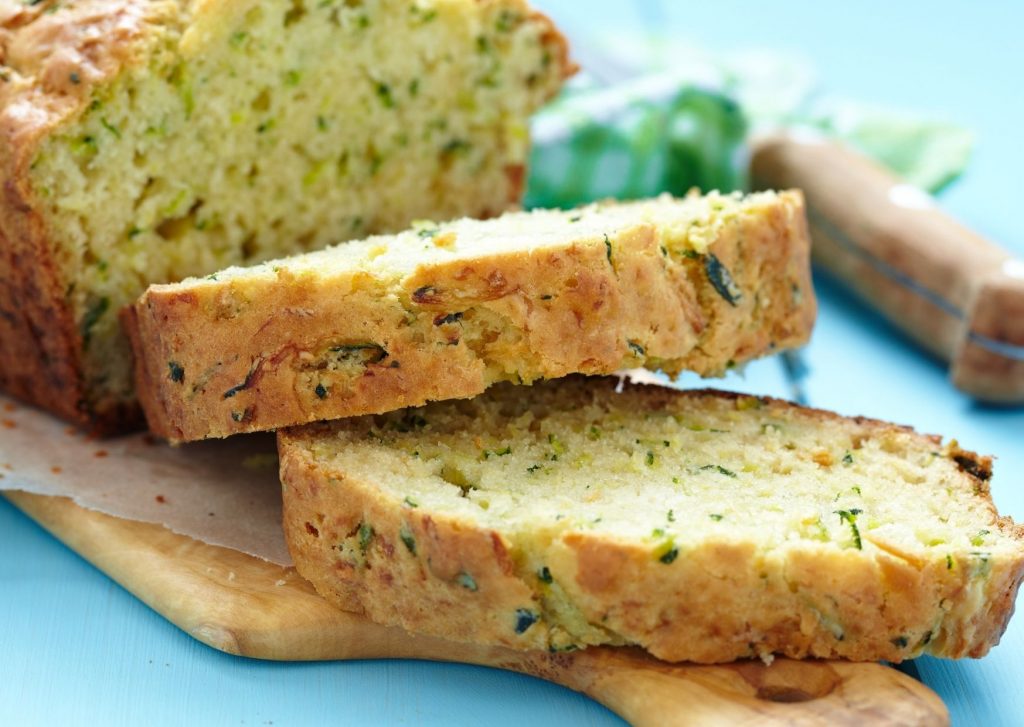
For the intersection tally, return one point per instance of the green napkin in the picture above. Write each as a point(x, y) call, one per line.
point(668, 118)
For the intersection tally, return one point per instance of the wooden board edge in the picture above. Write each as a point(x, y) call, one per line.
point(244, 606)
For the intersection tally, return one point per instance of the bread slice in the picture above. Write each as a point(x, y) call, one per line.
point(699, 525)
point(444, 311)
point(146, 141)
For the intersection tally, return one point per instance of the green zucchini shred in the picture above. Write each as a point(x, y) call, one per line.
point(525, 618)
point(850, 517)
point(406, 536)
point(467, 581)
point(175, 372)
point(722, 280)
point(365, 536)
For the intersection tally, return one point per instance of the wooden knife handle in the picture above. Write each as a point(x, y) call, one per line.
point(954, 292)
point(239, 604)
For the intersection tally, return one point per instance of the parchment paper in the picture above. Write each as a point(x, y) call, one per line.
point(224, 492)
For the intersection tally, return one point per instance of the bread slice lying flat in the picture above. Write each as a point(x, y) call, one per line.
point(444, 311)
point(143, 141)
point(700, 525)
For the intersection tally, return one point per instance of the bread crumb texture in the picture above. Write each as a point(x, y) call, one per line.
point(444, 310)
point(701, 526)
point(151, 141)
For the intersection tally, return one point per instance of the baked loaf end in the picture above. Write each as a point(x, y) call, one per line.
point(702, 526)
point(145, 142)
point(443, 311)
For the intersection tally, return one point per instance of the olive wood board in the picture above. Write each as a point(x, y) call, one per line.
point(243, 605)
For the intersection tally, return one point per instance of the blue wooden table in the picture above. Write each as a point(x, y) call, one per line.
point(76, 649)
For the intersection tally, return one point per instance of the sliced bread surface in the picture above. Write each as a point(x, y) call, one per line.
point(145, 141)
point(445, 310)
point(701, 525)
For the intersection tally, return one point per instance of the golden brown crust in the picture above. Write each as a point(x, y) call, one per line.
point(49, 62)
point(549, 312)
point(41, 350)
point(52, 55)
point(724, 600)
point(553, 37)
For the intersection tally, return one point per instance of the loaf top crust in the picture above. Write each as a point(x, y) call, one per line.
point(446, 309)
point(700, 525)
point(50, 62)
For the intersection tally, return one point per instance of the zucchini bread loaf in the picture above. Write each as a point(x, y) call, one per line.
point(700, 525)
point(149, 140)
point(443, 311)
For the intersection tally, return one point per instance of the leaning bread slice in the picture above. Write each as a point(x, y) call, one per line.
point(701, 526)
point(444, 311)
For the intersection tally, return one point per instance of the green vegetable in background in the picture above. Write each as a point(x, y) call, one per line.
point(676, 118)
point(692, 139)
point(706, 133)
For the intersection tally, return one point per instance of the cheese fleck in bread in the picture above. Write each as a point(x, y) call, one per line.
point(443, 311)
point(146, 141)
point(701, 526)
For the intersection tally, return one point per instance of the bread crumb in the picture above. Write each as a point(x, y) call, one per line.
point(823, 457)
point(445, 240)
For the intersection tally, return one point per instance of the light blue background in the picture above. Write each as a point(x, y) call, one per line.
point(76, 649)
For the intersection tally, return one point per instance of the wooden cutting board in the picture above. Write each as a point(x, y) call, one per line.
point(246, 606)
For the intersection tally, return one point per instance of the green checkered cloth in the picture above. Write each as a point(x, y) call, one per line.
point(671, 130)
